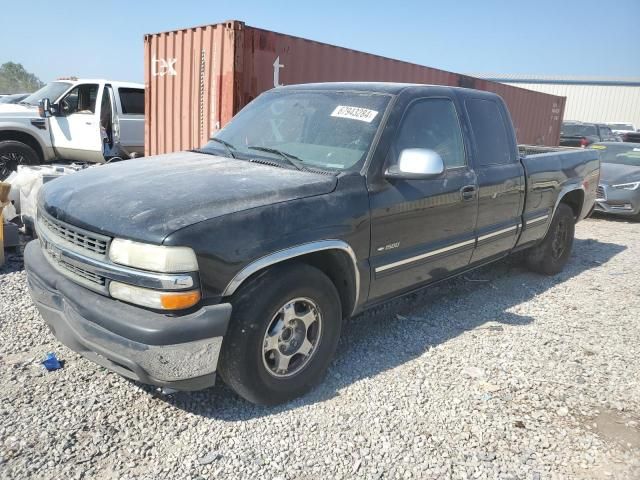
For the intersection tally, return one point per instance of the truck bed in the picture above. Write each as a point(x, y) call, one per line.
point(553, 172)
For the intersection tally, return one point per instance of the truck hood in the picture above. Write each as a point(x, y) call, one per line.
point(13, 109)
point(613, 173)
point(150, 198)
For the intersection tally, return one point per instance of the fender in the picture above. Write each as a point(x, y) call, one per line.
point(46, 148)
point(293, 252)
point(563, 192)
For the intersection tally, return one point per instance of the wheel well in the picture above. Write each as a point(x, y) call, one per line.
point(25, 138)
point(338, 266)
point(575, 200)
point(335, 264)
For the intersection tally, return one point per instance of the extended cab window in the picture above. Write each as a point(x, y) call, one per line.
point(81, 99)
point(433, 124)
point(132, 101)
point(490, 133)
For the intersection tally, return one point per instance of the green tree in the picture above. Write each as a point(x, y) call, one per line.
point(15, 79)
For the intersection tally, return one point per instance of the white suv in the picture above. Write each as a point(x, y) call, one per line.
point(73, 119)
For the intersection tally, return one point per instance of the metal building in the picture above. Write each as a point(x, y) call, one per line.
point(588, 99)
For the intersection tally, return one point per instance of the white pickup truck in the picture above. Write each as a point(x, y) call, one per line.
point(72, 119)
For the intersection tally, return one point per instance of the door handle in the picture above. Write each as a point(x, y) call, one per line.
point(88, 123)
point(468, 192)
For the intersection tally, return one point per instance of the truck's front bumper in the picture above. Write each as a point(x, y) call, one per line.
point(179, 352)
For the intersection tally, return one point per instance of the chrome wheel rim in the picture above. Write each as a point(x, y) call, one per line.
point(9, 162)
point(292, 337)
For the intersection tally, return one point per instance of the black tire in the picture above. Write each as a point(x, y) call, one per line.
point(14, 153)
point(552, 253)
point(245, 366)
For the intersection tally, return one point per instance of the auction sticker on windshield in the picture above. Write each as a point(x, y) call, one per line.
point(354, 113)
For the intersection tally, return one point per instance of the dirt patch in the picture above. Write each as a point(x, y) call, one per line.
point(617, 427)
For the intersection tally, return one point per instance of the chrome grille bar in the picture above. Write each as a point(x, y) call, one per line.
point(74, 238)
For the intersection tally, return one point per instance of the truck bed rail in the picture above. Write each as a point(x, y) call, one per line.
point(525, 150)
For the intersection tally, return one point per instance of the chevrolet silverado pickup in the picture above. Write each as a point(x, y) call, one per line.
point(314, 203)
point(72, 119)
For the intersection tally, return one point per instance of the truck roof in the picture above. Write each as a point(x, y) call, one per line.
point(100, 80)
point(392, 88)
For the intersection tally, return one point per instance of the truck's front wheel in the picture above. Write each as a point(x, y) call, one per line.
point(550, 256)
point(14, 153)
point(284, 331)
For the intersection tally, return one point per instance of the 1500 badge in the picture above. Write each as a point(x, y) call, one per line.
point(390, 246)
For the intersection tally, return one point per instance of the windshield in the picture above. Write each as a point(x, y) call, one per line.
point(51, 91)
point(572, 129)
point(618, 154)
point(621, 126)
point(329, 130)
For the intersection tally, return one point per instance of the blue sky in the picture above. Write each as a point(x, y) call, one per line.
point(105, 39)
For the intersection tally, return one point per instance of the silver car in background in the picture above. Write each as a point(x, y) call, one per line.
point(620, 128)
point(619, 188)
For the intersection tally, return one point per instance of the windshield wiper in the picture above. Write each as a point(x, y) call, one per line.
point(229, 147)
point(24, 103)
point(291, 159)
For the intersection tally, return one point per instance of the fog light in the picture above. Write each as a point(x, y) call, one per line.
point(156, 299)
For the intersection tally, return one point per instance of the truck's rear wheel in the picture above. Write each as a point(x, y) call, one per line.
point(284, 331)
point(550, 256)
point(14, 153)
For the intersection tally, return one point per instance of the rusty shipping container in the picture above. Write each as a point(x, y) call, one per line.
point(197, 78)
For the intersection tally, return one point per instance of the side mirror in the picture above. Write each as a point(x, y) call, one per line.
point(416, 164)
point(44, 108)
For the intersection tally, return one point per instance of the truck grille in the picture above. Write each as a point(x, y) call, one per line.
point(74, 272)
point(600, 193)
point(80, 272)
point(93, 244)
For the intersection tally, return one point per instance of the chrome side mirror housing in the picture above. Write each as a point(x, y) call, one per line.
point(44, 108)
point(416, 164)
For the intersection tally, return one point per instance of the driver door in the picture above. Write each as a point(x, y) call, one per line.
point(424, 230)
point(75, 129)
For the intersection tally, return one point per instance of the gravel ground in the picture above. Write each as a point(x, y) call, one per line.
point(498, 374)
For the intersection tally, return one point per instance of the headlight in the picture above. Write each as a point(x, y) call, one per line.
point(155, 258)
point(627, 186)
point(156, 299)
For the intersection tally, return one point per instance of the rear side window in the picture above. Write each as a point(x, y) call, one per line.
point(490, 133)
point(433, 124)
point(132, 101)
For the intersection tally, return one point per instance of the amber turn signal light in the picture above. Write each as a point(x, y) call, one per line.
point(179, 300)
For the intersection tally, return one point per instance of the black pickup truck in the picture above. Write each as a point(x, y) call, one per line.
point(314, 203)
point(578, 134)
